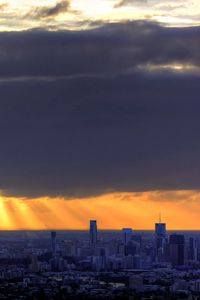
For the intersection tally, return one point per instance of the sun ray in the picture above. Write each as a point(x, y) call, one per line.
point(136, 210)
point(28, 217)
point(6, 220)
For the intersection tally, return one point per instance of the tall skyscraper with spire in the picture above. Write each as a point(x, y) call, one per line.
point(160, 237)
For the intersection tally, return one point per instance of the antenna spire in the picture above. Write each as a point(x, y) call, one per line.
point(160, 219)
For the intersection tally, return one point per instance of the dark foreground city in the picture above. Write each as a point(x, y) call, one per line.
point(96, 264)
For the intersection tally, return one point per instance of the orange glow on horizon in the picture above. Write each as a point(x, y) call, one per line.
point(180, 210)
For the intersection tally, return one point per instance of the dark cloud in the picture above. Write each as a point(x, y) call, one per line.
point(86, 136)
point(51, 11)
point(88, 121)
point(130, 2)
point(110, 49)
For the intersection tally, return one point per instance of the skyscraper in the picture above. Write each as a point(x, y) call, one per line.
point(193, 249)
point(160, 240)
point(160, 235)
point(53, 242)
point(127, 235)
point(93, 231)
point(177, 248)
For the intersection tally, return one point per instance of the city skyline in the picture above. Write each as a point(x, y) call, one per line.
point(99, 149)
point(97, 264)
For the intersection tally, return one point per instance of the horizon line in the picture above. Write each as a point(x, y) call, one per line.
point(87, 229)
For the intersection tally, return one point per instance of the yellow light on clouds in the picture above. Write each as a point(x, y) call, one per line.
point(113, 211)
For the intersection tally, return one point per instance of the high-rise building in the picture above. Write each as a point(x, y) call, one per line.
point(137, 238)
point(132, 248)
point(127, 234)
point(177, 249)
point(93, 231)
point(53, 242)
point(193, 249)
point(160, 240)
point(160, 235)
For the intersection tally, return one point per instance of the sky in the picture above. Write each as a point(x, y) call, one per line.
point(99, 113)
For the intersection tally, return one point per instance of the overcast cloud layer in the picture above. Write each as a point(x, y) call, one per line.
point(108, 50)
point(83, 113)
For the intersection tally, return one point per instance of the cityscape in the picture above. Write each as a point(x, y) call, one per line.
point(99, 132)
point(100, 264)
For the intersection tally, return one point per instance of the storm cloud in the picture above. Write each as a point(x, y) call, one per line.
point(80, 117)
point(51, 11)
point(108, 50)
